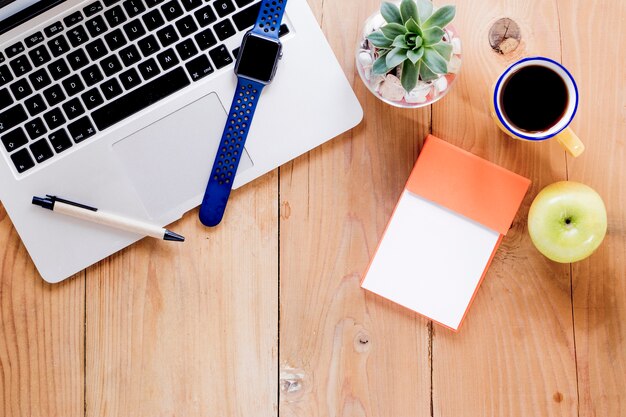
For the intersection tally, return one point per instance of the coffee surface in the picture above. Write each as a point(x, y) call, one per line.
point(534, 98)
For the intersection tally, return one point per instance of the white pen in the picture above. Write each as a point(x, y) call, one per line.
point(92, 214)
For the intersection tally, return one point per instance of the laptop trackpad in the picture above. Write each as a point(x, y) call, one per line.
point(169, 161)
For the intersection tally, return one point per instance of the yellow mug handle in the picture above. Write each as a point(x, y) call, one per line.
point(570, 142)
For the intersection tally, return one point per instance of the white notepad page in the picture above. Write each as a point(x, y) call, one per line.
point(430, 260)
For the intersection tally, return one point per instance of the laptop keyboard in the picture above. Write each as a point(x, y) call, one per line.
point(97, 66)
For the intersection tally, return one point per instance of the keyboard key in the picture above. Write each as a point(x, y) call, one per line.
point(33, 39)
point(149, 69)
point(148, 45)
point(111, 88)
point(60, 140)
point(92, 75)
point(133, 7)
point(224, 29)
point(77, 59)
point(171, 10)
point(96, 49)
point(167, 35)
point(186, 26)
point(205, 39)
point(152, 3)
point(53, 29)
point(108, 3)
point(5, 75)
point(14, 50)
point(73, 108)
point(2, 59)
point(14, 139)
point(58, 69)
point(73, 85)
point(5, 99)
point(22, 160)
point(39, 55)
point(199, 67)
point(92, 9)
point(20, 65)
point(220, 57)
point(247, 17)
point(39, 79)
point(134, 30)
point(224, 7)
point(139, 99)
point(35, 128)
point(186, 49)
point(189, 5)
point(241, 3)
point(35, 105)
point(96, 26)
point(205, 16)
point(130, 55)
point(115, 39)
point(21, 89)
point(41, 150)
point(111, 65)
point(92, 98)
point(77, 36)
point(167, 59)
point(54, 118)
point(73, 19)
point(129, 79)
point(115, 16)
point(81, 129)
point(153, 20)
point(54, 95)
point(58, 46)
point(12, 117)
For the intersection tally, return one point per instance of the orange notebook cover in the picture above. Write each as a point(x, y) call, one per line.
point(444, 232)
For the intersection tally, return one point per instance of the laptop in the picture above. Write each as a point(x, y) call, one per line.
point(120, 104)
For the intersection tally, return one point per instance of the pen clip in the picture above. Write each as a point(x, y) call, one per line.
point(72, 203)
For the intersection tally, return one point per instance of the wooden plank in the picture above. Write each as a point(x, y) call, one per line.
point(594, 51)
point(514, 354)
point(190, 329)
point(343, 351)
point(41, 336)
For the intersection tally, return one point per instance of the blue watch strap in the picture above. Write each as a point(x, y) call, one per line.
point(270, 17)
point(229, 152)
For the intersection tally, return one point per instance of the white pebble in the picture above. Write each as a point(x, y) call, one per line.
point(365, 59)
point(441, 84)
point(418, 94)
point(456, 46)
point(454, 65)
point(391, 89)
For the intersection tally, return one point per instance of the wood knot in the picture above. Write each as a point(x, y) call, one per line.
point(291, 384)
point(285, 210)
point(362, 341)
point(557, 397)
point(504, 36)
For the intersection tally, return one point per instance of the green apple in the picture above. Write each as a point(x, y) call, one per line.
point(567, 221)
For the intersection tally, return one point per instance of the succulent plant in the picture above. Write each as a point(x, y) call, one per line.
point(413, 38)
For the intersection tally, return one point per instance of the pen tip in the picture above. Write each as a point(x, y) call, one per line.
point(175, 237)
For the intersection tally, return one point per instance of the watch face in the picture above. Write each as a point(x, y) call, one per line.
point(258, 58)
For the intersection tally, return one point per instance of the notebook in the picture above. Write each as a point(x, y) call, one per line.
point(445, 230)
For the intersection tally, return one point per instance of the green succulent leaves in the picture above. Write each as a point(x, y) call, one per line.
point(413, 38)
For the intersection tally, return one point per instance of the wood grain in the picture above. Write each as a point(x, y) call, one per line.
point(189, 330)
point(344, 352)
point(514, 355)
point(41, 336)
point(599, 282)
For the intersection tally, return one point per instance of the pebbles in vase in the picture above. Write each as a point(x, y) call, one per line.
point(391, 88)
point(441, 84)
point(456, 46)
point(419, 93)
point(454, 65)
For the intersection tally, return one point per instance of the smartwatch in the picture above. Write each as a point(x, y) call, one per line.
point(255, 68)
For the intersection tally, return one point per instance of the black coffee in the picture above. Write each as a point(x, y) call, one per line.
point(534, 98)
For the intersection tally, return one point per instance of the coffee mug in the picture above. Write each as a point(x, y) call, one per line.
point(536, 99)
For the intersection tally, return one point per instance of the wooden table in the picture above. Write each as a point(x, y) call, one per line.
point(264, 315)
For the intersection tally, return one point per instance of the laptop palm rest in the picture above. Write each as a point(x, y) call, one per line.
point(169, 161)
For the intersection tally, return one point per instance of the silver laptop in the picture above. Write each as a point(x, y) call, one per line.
point(120, 104)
